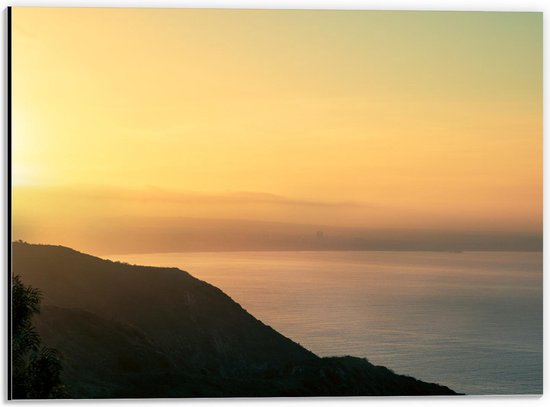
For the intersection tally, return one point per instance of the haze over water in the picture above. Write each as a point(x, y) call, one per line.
point(471, 321)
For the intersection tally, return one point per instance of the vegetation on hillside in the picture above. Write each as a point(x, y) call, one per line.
point(36, 369)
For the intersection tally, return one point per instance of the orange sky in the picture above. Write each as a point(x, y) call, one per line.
point(427, 120)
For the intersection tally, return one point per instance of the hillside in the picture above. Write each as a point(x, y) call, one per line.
point(133, 331)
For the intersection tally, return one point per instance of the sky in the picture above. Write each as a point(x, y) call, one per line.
point(365, 119)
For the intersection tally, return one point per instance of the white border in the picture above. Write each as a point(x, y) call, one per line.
point(471, 5)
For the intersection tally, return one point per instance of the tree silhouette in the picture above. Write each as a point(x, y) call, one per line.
point(36, 369)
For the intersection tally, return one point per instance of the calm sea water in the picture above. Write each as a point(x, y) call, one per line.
point(471, 321)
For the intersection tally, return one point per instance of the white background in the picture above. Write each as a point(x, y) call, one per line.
point(472, 5)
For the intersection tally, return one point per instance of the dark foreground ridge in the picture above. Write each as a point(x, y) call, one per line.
point(129, 331)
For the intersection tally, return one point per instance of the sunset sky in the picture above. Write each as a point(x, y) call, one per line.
point(413, 120)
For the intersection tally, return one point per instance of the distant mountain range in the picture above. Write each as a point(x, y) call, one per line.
point(132, 331)
point(140, 234)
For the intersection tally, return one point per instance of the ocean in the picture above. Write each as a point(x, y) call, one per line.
point(471, 321)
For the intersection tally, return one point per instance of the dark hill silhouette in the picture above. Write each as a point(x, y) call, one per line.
point(133, 331)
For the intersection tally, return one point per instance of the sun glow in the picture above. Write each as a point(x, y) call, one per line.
point(23, 149)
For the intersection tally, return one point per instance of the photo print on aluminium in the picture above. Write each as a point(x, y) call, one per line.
point(274, 203)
